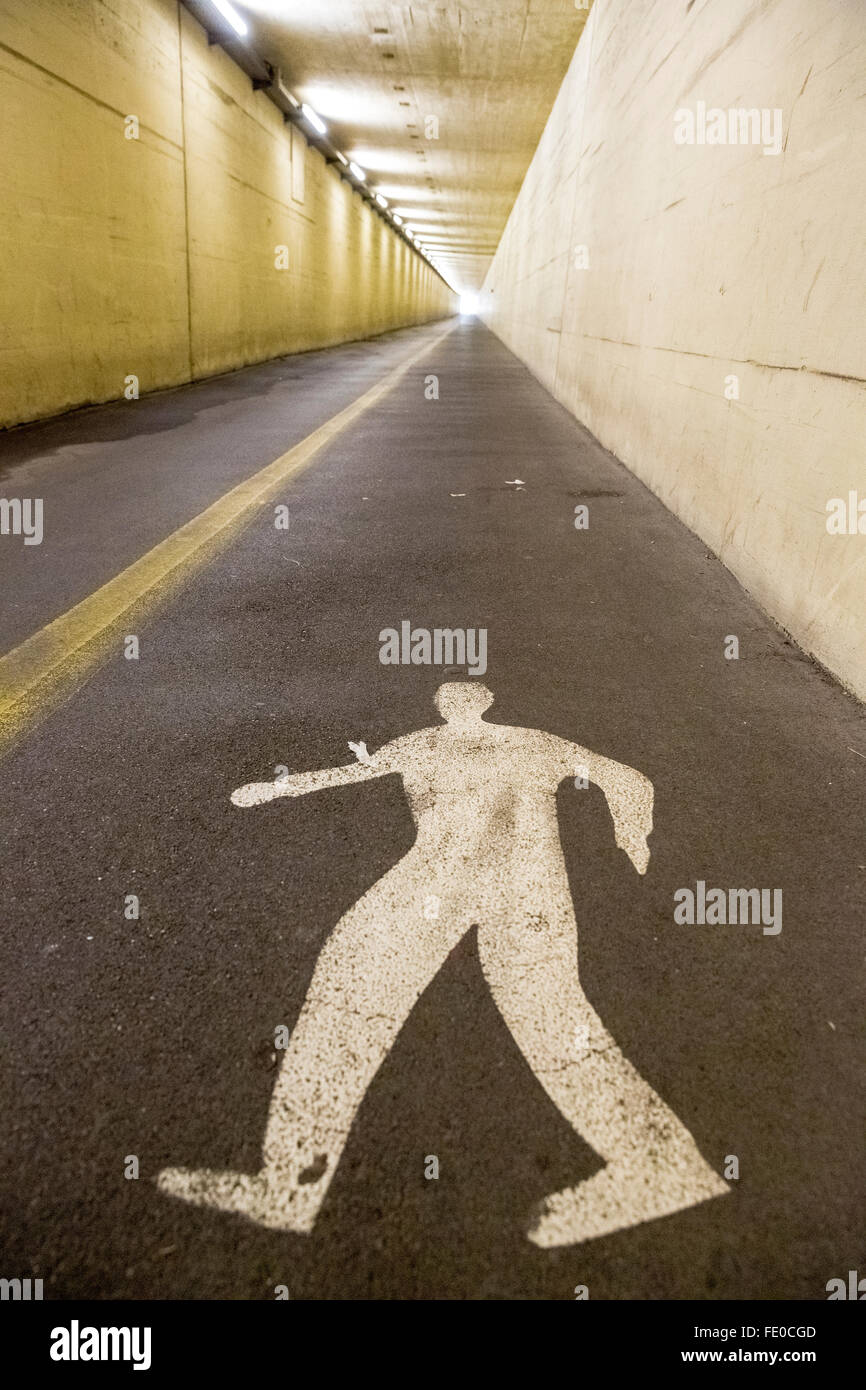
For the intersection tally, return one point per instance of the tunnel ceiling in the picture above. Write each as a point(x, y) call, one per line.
point(487, 70)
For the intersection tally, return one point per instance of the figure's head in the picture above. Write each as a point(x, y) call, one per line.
point(460, 701)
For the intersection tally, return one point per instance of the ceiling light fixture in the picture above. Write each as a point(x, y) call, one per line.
point(230, 13)
point(314, 120)
point(357, 171)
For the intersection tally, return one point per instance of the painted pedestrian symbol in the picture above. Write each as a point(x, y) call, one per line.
point(483, 797)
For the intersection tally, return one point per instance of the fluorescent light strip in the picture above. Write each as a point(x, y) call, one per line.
point(230, 13)
point(315, 121)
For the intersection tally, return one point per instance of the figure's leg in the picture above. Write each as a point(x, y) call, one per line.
point(654, 1167)
point(370, 972)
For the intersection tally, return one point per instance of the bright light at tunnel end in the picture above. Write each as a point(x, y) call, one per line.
point(468, 303)
point(230, 13)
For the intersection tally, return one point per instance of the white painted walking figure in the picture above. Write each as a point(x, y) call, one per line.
point(483, 797)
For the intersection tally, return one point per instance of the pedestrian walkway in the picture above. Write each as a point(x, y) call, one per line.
point(166, 949)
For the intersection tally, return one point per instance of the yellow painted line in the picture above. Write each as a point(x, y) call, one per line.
point(48, 666)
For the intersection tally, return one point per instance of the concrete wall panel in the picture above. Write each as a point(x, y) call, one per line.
point(707, 261)
point(156, 257)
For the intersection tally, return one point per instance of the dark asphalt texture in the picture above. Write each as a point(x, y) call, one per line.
point(155, 1037)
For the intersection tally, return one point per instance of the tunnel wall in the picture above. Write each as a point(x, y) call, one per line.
point(157, 257)
point(636, 276)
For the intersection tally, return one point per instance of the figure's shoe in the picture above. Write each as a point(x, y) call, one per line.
point(256, 1196)
point(622, 1195)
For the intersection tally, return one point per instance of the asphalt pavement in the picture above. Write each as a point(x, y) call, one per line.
point(154, 1037)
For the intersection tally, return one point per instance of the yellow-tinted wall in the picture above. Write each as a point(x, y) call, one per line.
point(701, 307)
point(161, 257)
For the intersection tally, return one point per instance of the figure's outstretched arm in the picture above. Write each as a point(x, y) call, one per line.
point(629, 796)
point(255, 793)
